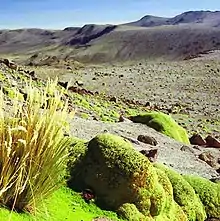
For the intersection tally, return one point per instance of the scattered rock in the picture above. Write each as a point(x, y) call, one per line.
point(32, 73)
point(113, 99)
point(212, 142)
point(150, 154)
point(187, 149)
point(9, 64)
point(215, 180)
point(69, 68)
point(79, 83)
point(88, 195)
point(197, 139)
point(208, 158)
point(131, 140)
point(124, 119)
point(148, 104)
point(147, 139)
point(63, 84)
point(81, 91)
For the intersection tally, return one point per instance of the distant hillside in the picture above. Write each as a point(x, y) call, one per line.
point(181, 37)
point(192, 17)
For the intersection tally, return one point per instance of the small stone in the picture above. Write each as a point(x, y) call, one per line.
point(148, 104)
point(197, 139)
point(208, 158)
point(32, 73)
point(124, 119)
point(215, 180)
point(147, 139)
point(113, 99)
point(79, 83)
point(69, 68)
point(187, 149)
point(63, 84)
point(150, 154)
point(212, 142)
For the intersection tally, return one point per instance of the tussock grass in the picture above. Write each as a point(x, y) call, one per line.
point(33, 149)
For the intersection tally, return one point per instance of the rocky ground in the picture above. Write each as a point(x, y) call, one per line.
point(183, 158)
point(187, 89)
point(190, 108)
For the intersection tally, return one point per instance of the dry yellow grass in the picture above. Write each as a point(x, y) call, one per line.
point(33, 148)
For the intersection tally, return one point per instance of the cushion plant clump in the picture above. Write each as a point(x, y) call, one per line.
point(124, 180)
point(163, 123)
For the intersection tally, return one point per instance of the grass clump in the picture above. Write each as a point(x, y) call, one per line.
point(33, 147)
point(163, 123)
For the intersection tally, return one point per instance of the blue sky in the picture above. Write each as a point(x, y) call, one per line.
point(58, 14)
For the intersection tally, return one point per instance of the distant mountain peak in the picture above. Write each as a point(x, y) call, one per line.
point(211, 18)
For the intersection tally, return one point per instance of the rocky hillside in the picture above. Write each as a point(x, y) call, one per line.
point(191, 17)
point(181, 37)
point(120, 166)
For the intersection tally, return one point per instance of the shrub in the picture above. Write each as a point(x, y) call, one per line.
point(33, 148)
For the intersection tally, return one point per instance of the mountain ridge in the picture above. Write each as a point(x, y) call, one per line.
point(211, 18)
point(183, 36)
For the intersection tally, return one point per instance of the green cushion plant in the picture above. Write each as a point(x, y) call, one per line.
point(163, 123)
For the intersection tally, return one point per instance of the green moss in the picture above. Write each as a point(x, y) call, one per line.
point(184, 195)
point(124, 180)
point(12, 93)
point(115, 171)
point(208, 192)
point(163, 123)
point(64, 204)
point(77, 151)
point(2, 76)
point(130, 212)
point(84, 116)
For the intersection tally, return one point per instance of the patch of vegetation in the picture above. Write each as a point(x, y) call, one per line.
point(163, 123)
point(33, 149)
point(208, 192)
point(103, 109)
point(63, 204)
point(184, 195)
point(123, 180)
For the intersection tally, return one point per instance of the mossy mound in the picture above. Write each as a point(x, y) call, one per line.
point(184, 195)
point(209, 194)
point(124, 180)
point(130, 212)
point(163, 123)
point(114, 171)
